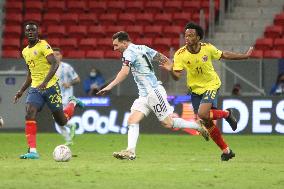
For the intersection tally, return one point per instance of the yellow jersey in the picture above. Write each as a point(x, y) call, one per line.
point(201, 75)
point(35, 58)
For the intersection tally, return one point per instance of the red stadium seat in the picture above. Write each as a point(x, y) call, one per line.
point(110, 30)
point(257, 54)
point(279, 44)
point(68, 44)
point(134, 6)
point(69, 19)
point(145, 19)
point(152, 31)
point(112, 54)
point(51, 18)
point(182, 18)
point(96, 31)
point(13, 19)
point(74, 54)
point(108, 19)
point(154, 6)
point(117, 6)
point(272, 54)
point(14, 7)
point(193, 6)
point(172, 6)
point(162, 44)
point(126, 19)
point(11, 54)
point(164, 19)
point(172, 31)
point(144, 41)
point(279, 19)
point(134, 31)
point(13, 31)
point(88, 44)
point(11, 44)
point(95, 54)
point(55, 6)
point(74, 6)
point(87, 19)
point(273, 31)
point(98, 7)
point(56, 31)
point(264, 44)
point(34, 7)
point(104, 43)
point(53, 42)
point(33, 17)
point(77, 31)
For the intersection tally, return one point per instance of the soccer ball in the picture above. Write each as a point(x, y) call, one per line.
point(1, 122)
point(62, 153)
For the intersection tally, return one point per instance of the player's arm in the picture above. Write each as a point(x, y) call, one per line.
point(24, 87)
point(236, 56)
point(52, 70)
point(122, 74)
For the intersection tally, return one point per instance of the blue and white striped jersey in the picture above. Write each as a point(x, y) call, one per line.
point(139, 58)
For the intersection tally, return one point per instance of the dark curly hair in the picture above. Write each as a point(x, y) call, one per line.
point(199, 30)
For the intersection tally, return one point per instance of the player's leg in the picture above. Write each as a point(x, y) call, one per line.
point(208, 99)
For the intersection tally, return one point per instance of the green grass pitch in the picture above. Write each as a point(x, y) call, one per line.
point(163, 161)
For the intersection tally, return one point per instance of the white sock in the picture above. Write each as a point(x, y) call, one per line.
point(33, 150)
point(181, 123)
point(65, 133)
point(133, 133)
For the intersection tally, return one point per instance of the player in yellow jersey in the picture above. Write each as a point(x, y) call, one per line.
point(203, 82)
point(44, 88)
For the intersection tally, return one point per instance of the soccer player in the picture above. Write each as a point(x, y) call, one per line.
point(41, 68)
point(152, 95)
point(67, 79)
point(203, 82)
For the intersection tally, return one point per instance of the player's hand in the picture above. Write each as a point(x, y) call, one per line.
point(248, 53)
point(42, 86)
point(166, 65)
point(66, 85)
point(104, 91)
point(17, 96)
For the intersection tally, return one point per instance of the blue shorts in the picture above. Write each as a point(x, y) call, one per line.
point(210, 96)
point(51, 96)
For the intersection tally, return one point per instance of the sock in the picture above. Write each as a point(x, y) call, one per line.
point(69, 110)
point(216, 136)
point(65, 133)
point(218, 114)
point(183, 124)
point(31, 128)
point(133, 133)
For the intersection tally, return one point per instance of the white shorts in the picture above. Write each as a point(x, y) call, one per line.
point(156, 101)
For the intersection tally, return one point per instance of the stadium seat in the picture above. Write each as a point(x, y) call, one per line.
point(68, 44)
point(13, 31)
point(181, 18)
point(154, 6)
point(164, 19)
point(264, 43)
point(134, 31)
point(144, 41)
point(110, 30)
point(74, 54)
point(162, 44)
point(172, 6)
point(279, 19)
point(112, 54)
point(51, 18)
point(11, 54)
point(74, 6)
point(77, 31)
point(145, 18)
point(13, 7)
point(98, 7)
point(273, 31)
point(11, 44)
point(126, 19)
point(152, 31)
point(172, 31)
point(96, 31)
point(108, 19)
point(53, 42)
point(56, 31)
point(193, 6)
point(95, 54)
point(33, 17)
point(117, 6)
point(13, 19)
point(257, 54)
point(134, 6)
point(104, 43)
point(279, 44)
point(55, 6)
point(88, 44)
point(87, 19)
point(272, 54)
point(34, 7)
point(69, 19)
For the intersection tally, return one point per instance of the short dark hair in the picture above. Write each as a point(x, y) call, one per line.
point(198, 28)
point(31, 23)
point(56, 49)
point(121, 36)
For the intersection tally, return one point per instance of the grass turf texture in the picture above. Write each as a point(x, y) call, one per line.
point(163, 161)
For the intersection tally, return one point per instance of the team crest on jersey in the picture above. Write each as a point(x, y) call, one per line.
point(204, 58)
point(35, 52)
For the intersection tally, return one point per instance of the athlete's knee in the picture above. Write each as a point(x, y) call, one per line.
point(30, 114)
point(203, 115)
point(132, 120)
point(167, 123)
